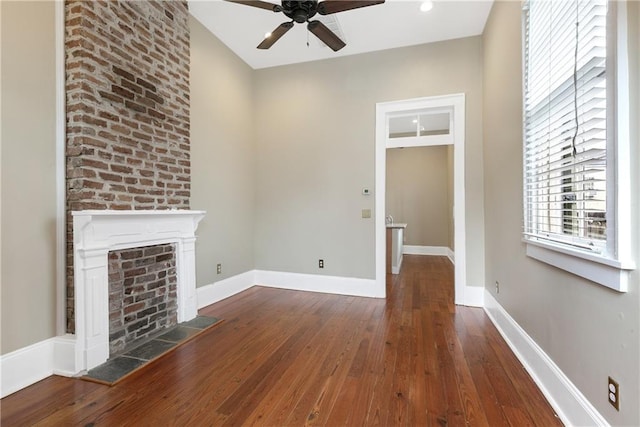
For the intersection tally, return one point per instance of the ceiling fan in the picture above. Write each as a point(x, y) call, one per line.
point(302, 11)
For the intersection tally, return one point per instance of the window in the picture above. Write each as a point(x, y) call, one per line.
point(570, 125)
point(420, 128)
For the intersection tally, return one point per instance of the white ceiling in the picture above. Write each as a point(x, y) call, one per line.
point(393, 24)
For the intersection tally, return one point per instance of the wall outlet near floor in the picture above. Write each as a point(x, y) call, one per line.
point(614, 393)
point(497, 287)
point(219, 269)
point(320, 263)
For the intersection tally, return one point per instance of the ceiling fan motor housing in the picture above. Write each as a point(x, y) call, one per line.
point(300, 11)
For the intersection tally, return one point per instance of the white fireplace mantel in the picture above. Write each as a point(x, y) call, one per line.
point(95, 233)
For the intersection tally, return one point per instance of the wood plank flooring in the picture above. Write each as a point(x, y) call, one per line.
point(289, 358)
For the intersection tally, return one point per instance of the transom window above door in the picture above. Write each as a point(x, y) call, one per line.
point(419, 128)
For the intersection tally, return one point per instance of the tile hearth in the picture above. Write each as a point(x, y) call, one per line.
point(116, 368)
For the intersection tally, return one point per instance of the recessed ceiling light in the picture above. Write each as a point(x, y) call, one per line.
point(426, 6)
point(415, 120)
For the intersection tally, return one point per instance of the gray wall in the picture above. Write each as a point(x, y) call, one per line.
point(315, 152)
point(222, 156)
point(589, 331)
point(418, 193)
point(28, 174)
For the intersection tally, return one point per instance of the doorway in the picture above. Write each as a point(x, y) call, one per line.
point(430, 108)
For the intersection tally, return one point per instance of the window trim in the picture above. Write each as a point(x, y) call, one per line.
point(604, 271)
point(613, 268)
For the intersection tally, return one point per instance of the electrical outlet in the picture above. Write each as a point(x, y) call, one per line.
point(497, 287)
point(614, 393)
point(320, 263)
point(219, 269)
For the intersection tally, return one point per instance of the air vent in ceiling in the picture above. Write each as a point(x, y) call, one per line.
point(331, 21)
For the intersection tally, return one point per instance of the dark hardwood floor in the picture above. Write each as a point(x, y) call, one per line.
point(295, 358)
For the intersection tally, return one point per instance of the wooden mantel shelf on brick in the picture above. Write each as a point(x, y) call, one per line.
point(95, 233)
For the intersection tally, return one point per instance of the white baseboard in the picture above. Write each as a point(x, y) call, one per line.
point(28, 365)
point(425, 250)
point(451, 255)
point(295, 281)
point(473, 296)
point(430, 250)
point(64, 355)
point(318, 283)
point(25, 366)
point(217, 291)
point(569, 403)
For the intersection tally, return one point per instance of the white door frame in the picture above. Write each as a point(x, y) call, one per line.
point(456, 103)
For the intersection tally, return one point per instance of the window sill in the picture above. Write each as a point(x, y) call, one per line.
point(608, 272)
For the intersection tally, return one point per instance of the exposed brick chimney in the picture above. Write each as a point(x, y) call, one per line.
point(127, 89)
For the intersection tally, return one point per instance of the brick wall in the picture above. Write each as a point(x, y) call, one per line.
point(127, 88)
point(142, 294)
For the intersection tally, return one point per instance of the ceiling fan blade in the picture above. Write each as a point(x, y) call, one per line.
point(328, 7)
point(275, 35)
point(257, 3)
point(326, 35)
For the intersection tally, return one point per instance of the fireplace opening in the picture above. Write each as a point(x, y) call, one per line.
point(142, 294)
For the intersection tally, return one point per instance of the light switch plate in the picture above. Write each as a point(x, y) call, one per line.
point(366, 213)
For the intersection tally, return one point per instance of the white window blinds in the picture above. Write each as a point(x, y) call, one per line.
point(565, 114)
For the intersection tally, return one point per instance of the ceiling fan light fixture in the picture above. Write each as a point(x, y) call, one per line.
point(301, 11)
point(426, 6)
